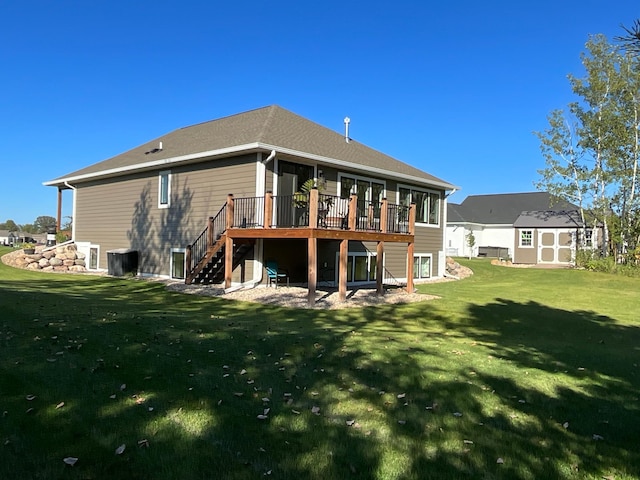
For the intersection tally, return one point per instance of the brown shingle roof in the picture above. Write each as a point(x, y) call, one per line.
point(255, 130)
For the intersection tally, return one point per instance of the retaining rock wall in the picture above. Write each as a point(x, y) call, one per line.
point(65, 258)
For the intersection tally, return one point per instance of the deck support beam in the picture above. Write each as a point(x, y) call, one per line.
point(312, 254)
point(342, 270)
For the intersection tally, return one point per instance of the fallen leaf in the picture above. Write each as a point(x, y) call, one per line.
point(266, 411)
point(565, 424)
point(350, 422)
point(457, 414)
point(597, 437)
point(31, 397)
point(468, 442)
point(243, 371)
point(402, 395)
point(265, 399)
point(143, 443)
point(70, 460)
point(315, 410)
point(500, 460)
point(123, 386)
point(60, 405)
point(112, 396)
point(262, 417)
point(295, 411)
point(120, 449)
point(402, 422)
point(238, 394)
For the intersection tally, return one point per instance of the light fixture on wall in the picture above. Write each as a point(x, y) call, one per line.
point(322, 182)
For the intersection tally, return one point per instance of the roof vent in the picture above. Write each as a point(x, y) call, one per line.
point(155, 150)
point(347, 120)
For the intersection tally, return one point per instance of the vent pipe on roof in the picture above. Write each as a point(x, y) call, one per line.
point(160, 146)
point(347, 120)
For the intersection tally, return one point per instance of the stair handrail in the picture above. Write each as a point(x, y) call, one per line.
point(198, 249)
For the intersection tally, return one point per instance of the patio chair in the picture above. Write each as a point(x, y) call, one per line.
point(274, 275)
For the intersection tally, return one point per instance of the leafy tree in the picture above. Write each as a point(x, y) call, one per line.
point(592, 152)
point(10, 225)
point(43, 223)
point(471, 242)
point(29, 228)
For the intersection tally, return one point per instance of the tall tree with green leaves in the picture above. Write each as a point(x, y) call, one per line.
point(592, 151)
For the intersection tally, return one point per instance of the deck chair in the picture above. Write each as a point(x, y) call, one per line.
point(275, 275)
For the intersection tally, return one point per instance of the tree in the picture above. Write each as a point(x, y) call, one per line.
point(43, 223)
point(471, 242)
point(592, 152)
point(10, 225)
point(631, 41)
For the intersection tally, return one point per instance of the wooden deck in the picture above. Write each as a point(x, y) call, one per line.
point(238, 222)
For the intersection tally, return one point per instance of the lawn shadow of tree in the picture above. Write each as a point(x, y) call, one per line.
point(196, 372)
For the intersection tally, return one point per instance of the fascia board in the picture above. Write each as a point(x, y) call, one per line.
point(356, 166)
point(240, 149)
point(156, 163)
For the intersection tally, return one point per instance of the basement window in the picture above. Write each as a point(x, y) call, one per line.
point(178, 258)
point(422, 266)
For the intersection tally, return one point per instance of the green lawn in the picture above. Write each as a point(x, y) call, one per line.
point(537, 368)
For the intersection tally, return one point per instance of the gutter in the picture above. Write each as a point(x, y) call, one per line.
point(271, 156)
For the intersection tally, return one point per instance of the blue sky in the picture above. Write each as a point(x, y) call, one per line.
point(455, 88)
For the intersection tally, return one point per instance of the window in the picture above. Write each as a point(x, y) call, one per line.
point(361, 267)
point(93, 258)
point(367, 190)
point(427, 204)
point(588, 237)
point(422, 266)
point(177, 263)
point(164, 189)
point(526, 238)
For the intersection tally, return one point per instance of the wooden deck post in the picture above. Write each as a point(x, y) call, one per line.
point(342, 270)
point(353, 207)
point(189, 264)
point(380, 248)
point(410, 247)
point(312, 256)
point(379, 268)
point(228, 261)
point(229, 219)
point(313, 208)
point(384, 215)
point(268, 209)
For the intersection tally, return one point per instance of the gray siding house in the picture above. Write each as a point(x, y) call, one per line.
point(531, 228)
point(238, 184)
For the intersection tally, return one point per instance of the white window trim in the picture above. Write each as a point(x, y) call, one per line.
point(88, 259)
point(425, 190)
point(364, 179)
point(184, 267)
point(367, 254)
point(422, 255)
point(160, 175)
point(520, 232)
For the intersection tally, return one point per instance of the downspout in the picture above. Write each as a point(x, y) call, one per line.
point(271, 156)
point(258, 276)
point(73, 218)
point(443, 268)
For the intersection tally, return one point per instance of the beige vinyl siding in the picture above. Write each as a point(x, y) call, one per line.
point(123, 212)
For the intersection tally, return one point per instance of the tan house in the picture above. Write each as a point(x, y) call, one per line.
point(215, 201)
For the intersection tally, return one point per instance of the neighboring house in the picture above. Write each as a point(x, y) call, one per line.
point(13, 238)
point(526, 227)
point(157, 199)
